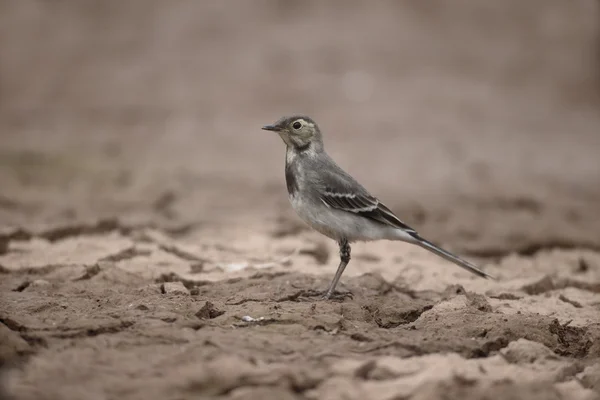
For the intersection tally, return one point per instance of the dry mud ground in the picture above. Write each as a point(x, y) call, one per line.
point(147, 249)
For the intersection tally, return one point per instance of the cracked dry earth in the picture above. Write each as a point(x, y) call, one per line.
point(108, 311)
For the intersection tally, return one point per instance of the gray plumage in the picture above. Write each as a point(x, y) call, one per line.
point(333, 203)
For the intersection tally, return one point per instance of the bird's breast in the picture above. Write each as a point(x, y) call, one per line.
point(292, 173)
point(291, 180)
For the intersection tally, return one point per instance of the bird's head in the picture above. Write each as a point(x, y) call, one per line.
point(298, 132)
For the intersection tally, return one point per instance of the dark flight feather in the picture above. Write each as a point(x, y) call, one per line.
point(364, 205)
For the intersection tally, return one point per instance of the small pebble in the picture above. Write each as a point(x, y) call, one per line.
point(174, 288)
point(247, 318)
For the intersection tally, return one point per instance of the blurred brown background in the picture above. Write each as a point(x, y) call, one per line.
point(478, 122)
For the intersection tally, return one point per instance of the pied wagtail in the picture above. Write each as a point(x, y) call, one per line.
point(335, 204)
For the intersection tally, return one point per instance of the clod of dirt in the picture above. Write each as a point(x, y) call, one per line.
point(197, 267)
point(573, 341)
point(173, 277)
point(22, 286)
point(359, 337)
point(453, 291)
point(392, 316)
point(90, 272)
point(526, 351)
point(590, 377)
point(208, 311)
point(176, 288)
point(330, 323)
point(541, 286)
point(574, 303)
point(365, 370)
point(478, 301)
point(12, 345)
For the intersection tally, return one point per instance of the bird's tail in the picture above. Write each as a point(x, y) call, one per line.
point(427, 245)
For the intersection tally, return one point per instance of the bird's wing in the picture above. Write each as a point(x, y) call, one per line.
point(368, 206)
point(338, 190)
point(362, 204)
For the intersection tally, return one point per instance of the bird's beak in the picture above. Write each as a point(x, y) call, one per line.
point(274, 128)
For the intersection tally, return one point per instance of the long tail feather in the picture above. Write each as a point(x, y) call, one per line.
point(427, 245)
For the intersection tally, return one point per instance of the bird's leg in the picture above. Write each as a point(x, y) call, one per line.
point(344, 260)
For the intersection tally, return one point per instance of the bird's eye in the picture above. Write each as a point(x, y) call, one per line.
point(297, 125)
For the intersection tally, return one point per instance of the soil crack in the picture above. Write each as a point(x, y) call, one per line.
point(183, 254)
point(95, 331)
point(547, 284)
point(173, 277)
point(531, 249)
point(126, 254)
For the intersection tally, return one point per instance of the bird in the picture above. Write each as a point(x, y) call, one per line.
point(333, 203)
